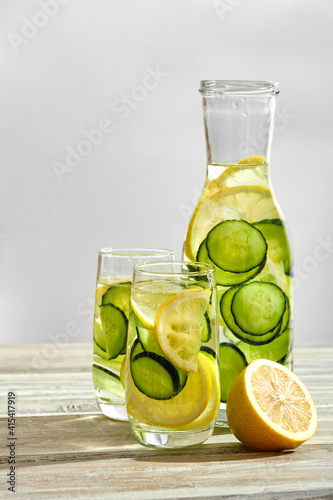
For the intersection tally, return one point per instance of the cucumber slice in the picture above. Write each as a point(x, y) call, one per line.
point(206, 332)
point(258, 307)
point(236, 246)
point(104, 380)
point(119, 295)
point(286, 316)
point(155, 376)
point(136, 348)
point(209, 352)
point(260, 339)
point(229, 336)
point(183, 376)
point(114, 324)
point(226, 278)
point(276, 350)
point(113, 365)
point(99, 341)
point(148, 340)
point(99, 338)
point(232, 363)
point(149, 343)
point(275, 234)
point(288, 359)
point(225, 308)
point(105, 370)
point(98, 351)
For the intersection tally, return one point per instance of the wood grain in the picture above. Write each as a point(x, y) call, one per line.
point(66, 449)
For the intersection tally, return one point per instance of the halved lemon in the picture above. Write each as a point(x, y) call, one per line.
point(178, 411)
point(269, 408)
point(250, 203)
point(178, 326)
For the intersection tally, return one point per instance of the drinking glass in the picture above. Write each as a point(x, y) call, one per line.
point(113, 289)
point(172, 377)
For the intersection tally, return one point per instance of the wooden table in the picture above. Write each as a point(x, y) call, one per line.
point(65, 448)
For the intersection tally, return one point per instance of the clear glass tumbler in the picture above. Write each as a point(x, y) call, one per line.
point(172, 375)
point(112, 301)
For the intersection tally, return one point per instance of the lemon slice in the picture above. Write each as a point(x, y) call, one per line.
point(178, 326)
point(269, 408)
point(210, 413)
point(252, 172)
point(234, 176)
point(252, 160)
point(178, 411)
point(250, 203)
point(100, 291)
point(148, 297)
point(122, 372)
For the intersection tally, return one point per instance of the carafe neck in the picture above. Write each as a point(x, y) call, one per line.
point(239, 120)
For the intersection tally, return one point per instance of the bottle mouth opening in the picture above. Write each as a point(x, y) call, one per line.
point(251, 88)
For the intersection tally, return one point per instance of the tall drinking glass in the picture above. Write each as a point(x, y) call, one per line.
point(112, 300)
point(172, 376)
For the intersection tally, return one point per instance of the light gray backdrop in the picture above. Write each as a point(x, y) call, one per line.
point(102, 142)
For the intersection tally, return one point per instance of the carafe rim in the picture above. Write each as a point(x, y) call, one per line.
point(251, 88)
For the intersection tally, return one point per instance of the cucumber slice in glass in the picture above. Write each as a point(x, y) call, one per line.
point(258, 307)
point(206, 331)
point(229, 336)
point(113, 365)
point(236, 246)
point(225, 308)
point(105, 380)
point(209, 352)
point(286, 316)
point(226, 278)
point(154, 375)
point(149, 343)
point(232, 363)
point(98, 351)
point(114, 324)
point(277, 240)
point(148, 339)
point(118, 295)
point(99, 339)
point(136, 348)
point(289, 357)
point(276, 350)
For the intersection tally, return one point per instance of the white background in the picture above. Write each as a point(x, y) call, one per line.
point(64, 70)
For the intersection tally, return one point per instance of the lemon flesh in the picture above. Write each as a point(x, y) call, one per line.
point(269, 408)
point(147, 298)
point(178, 326)
point(249, 203)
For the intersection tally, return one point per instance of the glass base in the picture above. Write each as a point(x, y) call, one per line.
point(115, 412)
point(157, 437)
point(222, 420)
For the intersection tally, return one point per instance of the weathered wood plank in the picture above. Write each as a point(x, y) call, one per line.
point(66, 450)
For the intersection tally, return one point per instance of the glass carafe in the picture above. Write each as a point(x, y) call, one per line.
point(238, 227)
